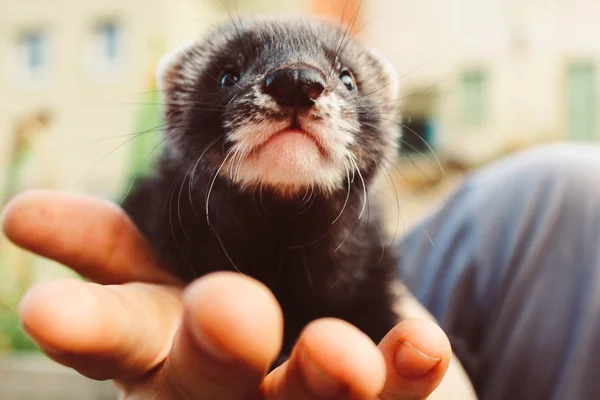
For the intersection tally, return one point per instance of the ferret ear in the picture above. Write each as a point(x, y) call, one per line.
point(174, 78)
point(389, 74)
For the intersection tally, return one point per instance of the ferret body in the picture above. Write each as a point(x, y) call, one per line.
point(277, 129)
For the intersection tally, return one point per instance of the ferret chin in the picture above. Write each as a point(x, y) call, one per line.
point(278, 129)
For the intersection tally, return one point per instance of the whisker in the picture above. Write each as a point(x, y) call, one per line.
point(262, 202)
point(239, 34)
point(221, 244)
point(133, 181)
point(191, 182)
point(256, 208)
point(178, 103)
point(335, 58)
point(233, 213)
point(430, 149)
point(364, 187)
point(351, 26)
point(159, 128)
point(232, 99)
point(308, 204)
point(400, 77)
point(80, 180)
point(354, 226)
point(224, 249)
point(232, 163)
point(307, 270)
point(407, 156)
point(244, 147)
point(397, 199)
point(347, 195)
point(179, 204)
point(212, 184)
point(305, 196)
point(175, 240)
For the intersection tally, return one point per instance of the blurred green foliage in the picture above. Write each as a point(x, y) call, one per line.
point(15, 279)
point(18, 268)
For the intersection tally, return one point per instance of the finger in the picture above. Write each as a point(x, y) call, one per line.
point(332, 360)
point(417, 355)
point(230, 334)
point(104, 332)
point(93, 237)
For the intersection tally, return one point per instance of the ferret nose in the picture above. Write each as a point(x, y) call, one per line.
point(295, 87)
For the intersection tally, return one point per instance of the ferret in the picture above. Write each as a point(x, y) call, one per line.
point(276, 130)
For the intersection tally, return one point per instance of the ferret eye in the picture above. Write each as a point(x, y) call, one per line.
point(229, 78)
point(348, 80)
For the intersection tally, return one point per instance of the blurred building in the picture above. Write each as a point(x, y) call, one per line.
point(478, 76)
point(484, 76)
point(85, 66)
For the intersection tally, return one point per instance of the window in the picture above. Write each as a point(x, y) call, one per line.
point(417, 135)
point(108, 37)
point(474, 97)
point(581, 102)
point(107, 46)
point(419, 126)
point(33, 53)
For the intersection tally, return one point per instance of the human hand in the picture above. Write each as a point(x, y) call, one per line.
point(216, 338)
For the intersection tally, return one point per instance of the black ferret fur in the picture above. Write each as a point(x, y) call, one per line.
point(315, 267)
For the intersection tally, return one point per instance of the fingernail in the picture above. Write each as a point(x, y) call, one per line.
point(206, 343)
point(413, 364)
point(319, 382)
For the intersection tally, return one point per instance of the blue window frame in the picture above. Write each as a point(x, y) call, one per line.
point(108, 36)
point(33, 49)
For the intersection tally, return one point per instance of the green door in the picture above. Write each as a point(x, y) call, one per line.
point(474, 97)
point(582, 107)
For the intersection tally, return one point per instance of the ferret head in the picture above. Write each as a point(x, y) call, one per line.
point(283, 104)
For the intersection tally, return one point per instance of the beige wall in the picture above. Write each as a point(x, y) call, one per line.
point(84, 104)
point(88, 108)
point(429, 41)
point(432, 41)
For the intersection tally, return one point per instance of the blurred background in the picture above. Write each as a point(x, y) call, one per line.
point(79, 111)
